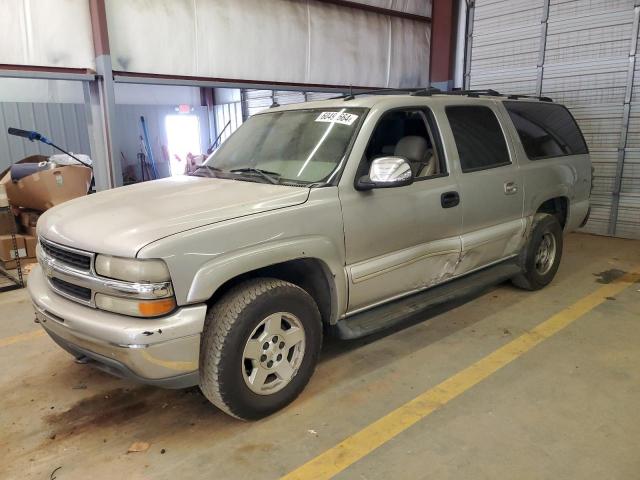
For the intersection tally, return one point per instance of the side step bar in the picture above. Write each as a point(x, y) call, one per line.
point(391, 314)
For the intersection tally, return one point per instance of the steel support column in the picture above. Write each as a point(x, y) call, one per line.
point(101, 105)
point(443, 41)
point(626, 113)
point(469, 44)
point(97, 135)
point(544, 25)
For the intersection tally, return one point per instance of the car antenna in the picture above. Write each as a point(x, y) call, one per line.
point(275, 102)
point(350, 96)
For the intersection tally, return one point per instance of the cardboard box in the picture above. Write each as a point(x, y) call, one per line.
point(11, 264)
point(7, 222)
point(47, 188)
point(7, 251)
point(30, 231)
point(4, 200)
point(30, 243)
point(29, 218)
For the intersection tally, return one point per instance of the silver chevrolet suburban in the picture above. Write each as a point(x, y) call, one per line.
point(344, 216)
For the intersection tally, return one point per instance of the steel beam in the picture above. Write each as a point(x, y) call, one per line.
point(211, 82)
point(380, 10)
point(100, 101)
point(45, 73)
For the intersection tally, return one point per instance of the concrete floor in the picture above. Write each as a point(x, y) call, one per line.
point(567, 409)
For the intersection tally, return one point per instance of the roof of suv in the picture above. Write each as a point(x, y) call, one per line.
point(365, 100)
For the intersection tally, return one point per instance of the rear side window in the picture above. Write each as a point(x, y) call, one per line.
point(479, 138)
point(546, 129)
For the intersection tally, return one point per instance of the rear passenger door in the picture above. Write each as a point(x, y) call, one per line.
point(490, 186)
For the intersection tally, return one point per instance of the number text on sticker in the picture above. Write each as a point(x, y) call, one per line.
point(337, 117)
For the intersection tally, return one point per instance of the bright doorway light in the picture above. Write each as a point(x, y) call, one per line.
point(183, 138)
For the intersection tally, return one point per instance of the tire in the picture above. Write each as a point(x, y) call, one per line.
point(545, 228)
point(245, 319)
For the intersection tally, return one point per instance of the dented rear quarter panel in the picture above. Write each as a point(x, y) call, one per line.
point(544, 179)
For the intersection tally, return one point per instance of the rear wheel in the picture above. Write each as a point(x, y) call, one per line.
point(542, 254)
point(259, 347)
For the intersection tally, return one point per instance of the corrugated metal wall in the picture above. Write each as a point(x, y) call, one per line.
point(254, 101)
point(581, 53)
point(63, 123)
point(227, 113)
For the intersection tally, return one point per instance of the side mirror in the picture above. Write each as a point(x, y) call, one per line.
point(386, 172)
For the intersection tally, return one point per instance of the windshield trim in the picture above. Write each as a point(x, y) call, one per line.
point(336, 173)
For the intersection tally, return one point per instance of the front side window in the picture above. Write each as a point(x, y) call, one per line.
point(546, 129)
point(408, 134)
point(294, 146)
point(479, 138)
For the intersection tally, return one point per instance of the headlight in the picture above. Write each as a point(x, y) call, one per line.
point(135, 307)
point(148, 281)
point(132, 269)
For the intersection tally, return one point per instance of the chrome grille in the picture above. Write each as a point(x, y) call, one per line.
point(70, 273)
point(73, 258)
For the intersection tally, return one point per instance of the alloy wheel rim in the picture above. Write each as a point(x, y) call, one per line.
point(273, 353)
point(546, 254)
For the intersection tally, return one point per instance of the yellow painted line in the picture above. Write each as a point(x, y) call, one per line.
point(23, 337)
point(355, 447)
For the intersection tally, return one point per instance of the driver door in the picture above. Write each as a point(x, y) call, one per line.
point(404, 239)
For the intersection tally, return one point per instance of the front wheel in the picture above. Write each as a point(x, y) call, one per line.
point(542, 254)
point(259, 347)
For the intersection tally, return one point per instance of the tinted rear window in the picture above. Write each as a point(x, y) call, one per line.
point(546, 129)
point(478, 137)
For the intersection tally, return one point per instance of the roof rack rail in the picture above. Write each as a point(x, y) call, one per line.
point(542, 99)
point(429, 91)
point(494, 93)
point(426, 92)
point(378, 91)
point(475, 93)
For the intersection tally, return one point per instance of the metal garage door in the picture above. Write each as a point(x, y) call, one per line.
point(581, 53)
point(253, 101)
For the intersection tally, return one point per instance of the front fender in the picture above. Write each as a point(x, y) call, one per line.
point(214, 273)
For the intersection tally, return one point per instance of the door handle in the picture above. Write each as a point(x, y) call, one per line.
point(510, 188)
point(449, 199)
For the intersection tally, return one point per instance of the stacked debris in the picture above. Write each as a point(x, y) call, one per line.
point(30, 187)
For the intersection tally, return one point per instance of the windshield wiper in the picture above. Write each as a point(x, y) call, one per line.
point(271, 177)
point(209, 168)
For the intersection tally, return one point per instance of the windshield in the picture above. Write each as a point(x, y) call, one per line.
point(295, 146)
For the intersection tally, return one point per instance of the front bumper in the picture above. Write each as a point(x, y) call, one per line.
point(161, 351)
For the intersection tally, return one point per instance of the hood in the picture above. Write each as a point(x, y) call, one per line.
point(123, 220)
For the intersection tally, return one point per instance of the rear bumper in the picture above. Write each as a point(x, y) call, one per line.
point(162, 351)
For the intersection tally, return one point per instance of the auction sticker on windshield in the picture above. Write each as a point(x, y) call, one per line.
point(337, 117)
